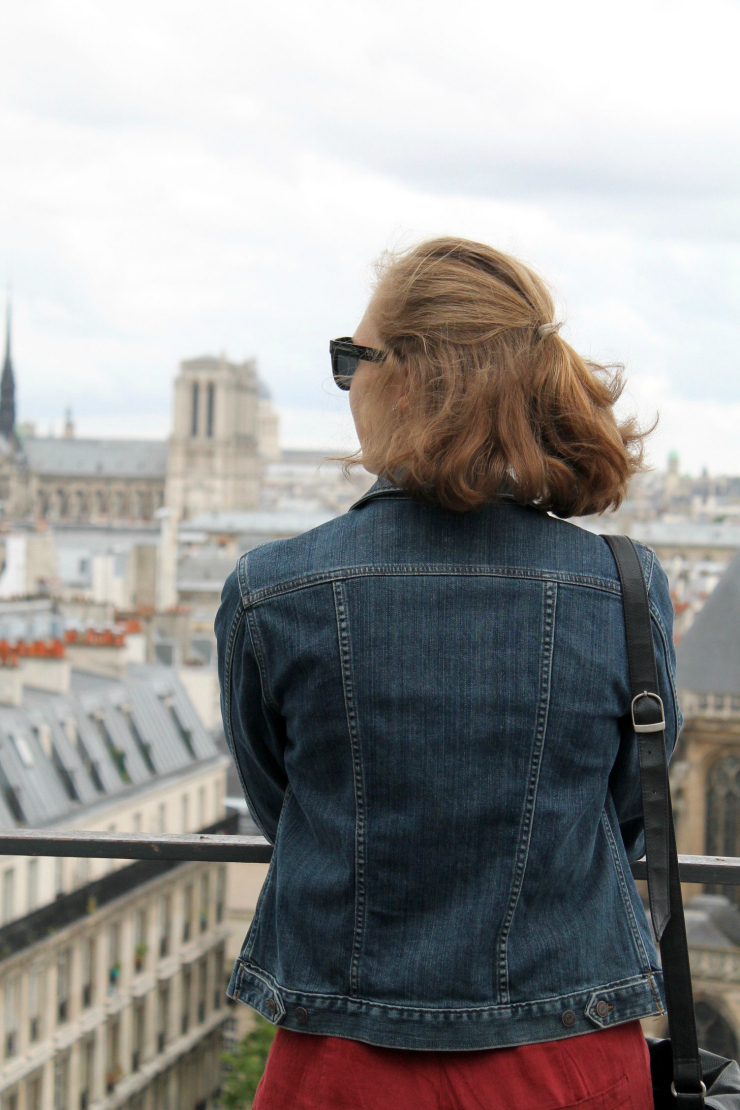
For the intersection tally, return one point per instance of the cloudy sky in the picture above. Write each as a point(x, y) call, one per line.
point(204, 175)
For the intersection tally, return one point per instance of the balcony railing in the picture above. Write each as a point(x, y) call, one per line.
point(232, 848)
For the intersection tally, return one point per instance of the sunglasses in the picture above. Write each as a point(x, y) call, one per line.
point(345, 355)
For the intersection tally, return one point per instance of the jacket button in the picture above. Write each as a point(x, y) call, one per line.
point(602, 1008)
point(271, 1006)
point(301, 1015)
point(568, 1019)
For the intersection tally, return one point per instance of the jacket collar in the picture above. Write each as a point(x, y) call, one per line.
point(381, 488)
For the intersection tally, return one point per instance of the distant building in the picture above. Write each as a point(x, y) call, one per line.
point(112, 978)
point(213, 453)
point(224, 430)
point(705, 776)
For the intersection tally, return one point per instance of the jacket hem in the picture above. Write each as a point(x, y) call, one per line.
point(440, 1028)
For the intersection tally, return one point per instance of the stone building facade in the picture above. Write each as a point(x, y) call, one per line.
point(705, 777)
point(213, 452)
point(224, 430)
point(112, 975)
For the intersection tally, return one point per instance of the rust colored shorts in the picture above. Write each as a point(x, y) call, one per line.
point(604, 1070)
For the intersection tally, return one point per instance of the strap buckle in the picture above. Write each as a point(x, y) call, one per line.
point(648, 726)
point(702, 1092)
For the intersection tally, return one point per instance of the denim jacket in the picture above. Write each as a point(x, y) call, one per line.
point(427, 711)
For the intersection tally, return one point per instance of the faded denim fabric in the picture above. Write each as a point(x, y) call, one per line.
point(427, 713)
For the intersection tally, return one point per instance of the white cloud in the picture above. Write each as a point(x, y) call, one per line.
point(183, 177)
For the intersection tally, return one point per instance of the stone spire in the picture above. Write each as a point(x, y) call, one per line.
point(7, 385)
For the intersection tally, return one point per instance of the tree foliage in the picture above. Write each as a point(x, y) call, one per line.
point(245, 1065)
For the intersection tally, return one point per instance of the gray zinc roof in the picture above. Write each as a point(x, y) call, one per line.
point(90, 458)
point(708, 656)
point(63, 753)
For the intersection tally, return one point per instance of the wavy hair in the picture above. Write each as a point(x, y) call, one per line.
point(494, 401)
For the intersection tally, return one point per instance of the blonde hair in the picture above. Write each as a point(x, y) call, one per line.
point(494, 401)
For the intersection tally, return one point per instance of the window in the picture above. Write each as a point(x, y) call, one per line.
point(714, 1032)
point(202, 807)
point(88, 972)
point(218, 977)
point(114, 957)
point(140, 940)
point(23, 748)
point(165, 923)
point(202, 988)
point(186, 985)
point(90, 765)
point(118, 755)
point(61, 1081)
point(210, 408)
point(137, 823)
point(203, 914)
point(8, 898)
point(58, 877)
point(64, 776)
point(82, 871)
point(139, 1030)
point(217, 801)
point(220, 893)
point(36, 1003)
point(145, 750)
point(187, 913)
point(10, 794)
point(32, 885)
point(64, 966)
point(113, 1070)
point(162, 818)
point(12, 998)
point(87, 1071)
point(185, 809)
point(9, 1101)
point(723, 814)
point(194, 398)
point(185, 734)
point(34, 1091)
point(162, 1092)
point(163, 1015)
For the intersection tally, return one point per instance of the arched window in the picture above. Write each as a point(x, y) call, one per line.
point(194, 409)
point(714, 1032)
point(723, 814)
point(210, 408)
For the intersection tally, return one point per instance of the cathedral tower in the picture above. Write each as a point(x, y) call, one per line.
point(212, 460)
point(7, 385)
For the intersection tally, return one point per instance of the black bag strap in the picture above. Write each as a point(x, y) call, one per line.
point(664, 884)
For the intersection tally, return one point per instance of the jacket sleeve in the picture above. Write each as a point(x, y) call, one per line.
point(254, 733)
point(625, 777)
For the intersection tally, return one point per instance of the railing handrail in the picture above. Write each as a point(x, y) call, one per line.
point(201, 847)
point(230, 848)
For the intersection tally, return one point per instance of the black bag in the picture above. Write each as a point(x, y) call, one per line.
point(683, 1075)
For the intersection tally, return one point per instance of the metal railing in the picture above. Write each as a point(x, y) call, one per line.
point(231, 848)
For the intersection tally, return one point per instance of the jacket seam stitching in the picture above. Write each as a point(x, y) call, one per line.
point(256, 597)
point(549, 601)
point(655, 614)
point(259, 654)
point(345, 657)
point(616, 984)
point(637, 939)
point(228, 729)
point(251, 937)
